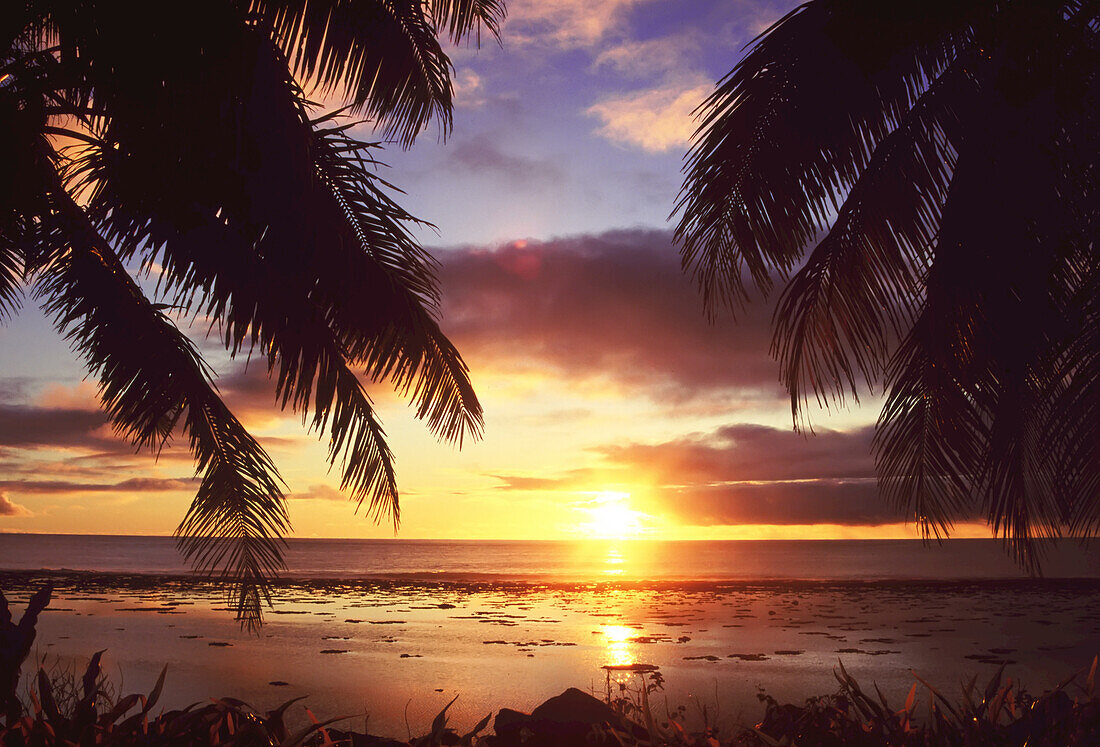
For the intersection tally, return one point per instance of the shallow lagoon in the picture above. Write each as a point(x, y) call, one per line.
point(398, 650)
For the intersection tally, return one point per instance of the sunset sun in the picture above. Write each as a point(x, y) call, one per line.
point(609, 516)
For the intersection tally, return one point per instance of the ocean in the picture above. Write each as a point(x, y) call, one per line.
point(389, 631)
point(582, 561)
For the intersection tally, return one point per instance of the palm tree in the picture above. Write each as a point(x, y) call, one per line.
point(940, 159)
point(185, 147)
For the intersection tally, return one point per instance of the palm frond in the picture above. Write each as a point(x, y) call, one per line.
point(13, 225)
point(999, 294)
point(260, 294)
point(861, 286)
point(21, 192)
point(196, 159)
point(403, 343)
point(335, 281)
point(957, 150)
point(1072, 429)
point(151, 380)
point(11, 267)
point(460, 18)
point(929, 441)
point(789, 130)
point(382, 55)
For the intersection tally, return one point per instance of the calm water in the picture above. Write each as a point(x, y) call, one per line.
point(637, 560)
point(396, 629)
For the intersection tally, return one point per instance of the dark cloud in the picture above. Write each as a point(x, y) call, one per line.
point(28, 426)
point(133, 485)
point(753, 452)
point(248, 390)
point(7, 508)
point(852, 502)
point(616, 305)
point(755, 474)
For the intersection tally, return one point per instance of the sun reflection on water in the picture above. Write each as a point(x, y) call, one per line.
point(617, 641)
point(614, 561)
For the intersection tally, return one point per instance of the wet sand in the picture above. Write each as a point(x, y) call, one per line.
point(399, 651)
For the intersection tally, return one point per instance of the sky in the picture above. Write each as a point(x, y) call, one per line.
point(612, 407)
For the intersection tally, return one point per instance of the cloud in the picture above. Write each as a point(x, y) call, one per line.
point(83, 396)
point(567, 481)
point(851, 502)
point(567, 24)
point(656, 119)
point(748, 452)
point(755, 474)
point(613, 309)
point(481, 154)
point(319, 493)
point(7, 508)
point(468, 92)
point(132, 485)
point(29, 426)
point(14, 388)
point(648, 58)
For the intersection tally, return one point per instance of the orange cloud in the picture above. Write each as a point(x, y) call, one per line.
point(657, 119)
point(8, 508)
point(566, 24)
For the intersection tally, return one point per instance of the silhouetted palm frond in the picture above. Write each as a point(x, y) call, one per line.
point(152, 379)
point(946, 152)
point(404, 344)
point(382, 54)
point(861, 285)
point(791, 128)
point(192, 154)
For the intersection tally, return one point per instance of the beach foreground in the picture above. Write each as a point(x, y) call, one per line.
point(395, 653)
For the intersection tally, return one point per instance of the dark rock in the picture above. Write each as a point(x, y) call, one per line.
point(509, 721)
point(572, 719)
point(575, 707)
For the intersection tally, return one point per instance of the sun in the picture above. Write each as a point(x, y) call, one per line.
point(611, 517)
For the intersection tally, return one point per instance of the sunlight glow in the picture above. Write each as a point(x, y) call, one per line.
point(610, 516)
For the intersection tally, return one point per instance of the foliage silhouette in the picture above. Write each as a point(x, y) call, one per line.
point(185, 146)
point(942, 156)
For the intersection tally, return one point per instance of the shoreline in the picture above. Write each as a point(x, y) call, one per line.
point(478, 582)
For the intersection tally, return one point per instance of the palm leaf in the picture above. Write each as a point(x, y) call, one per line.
point(861, 286)
point(382, 55)
point(321, 318)
point(790, 129)
point(957, 150)
point(151, 379)
point(11, 268)
point(460, 18)
point(929, 442)
point(407, 347)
